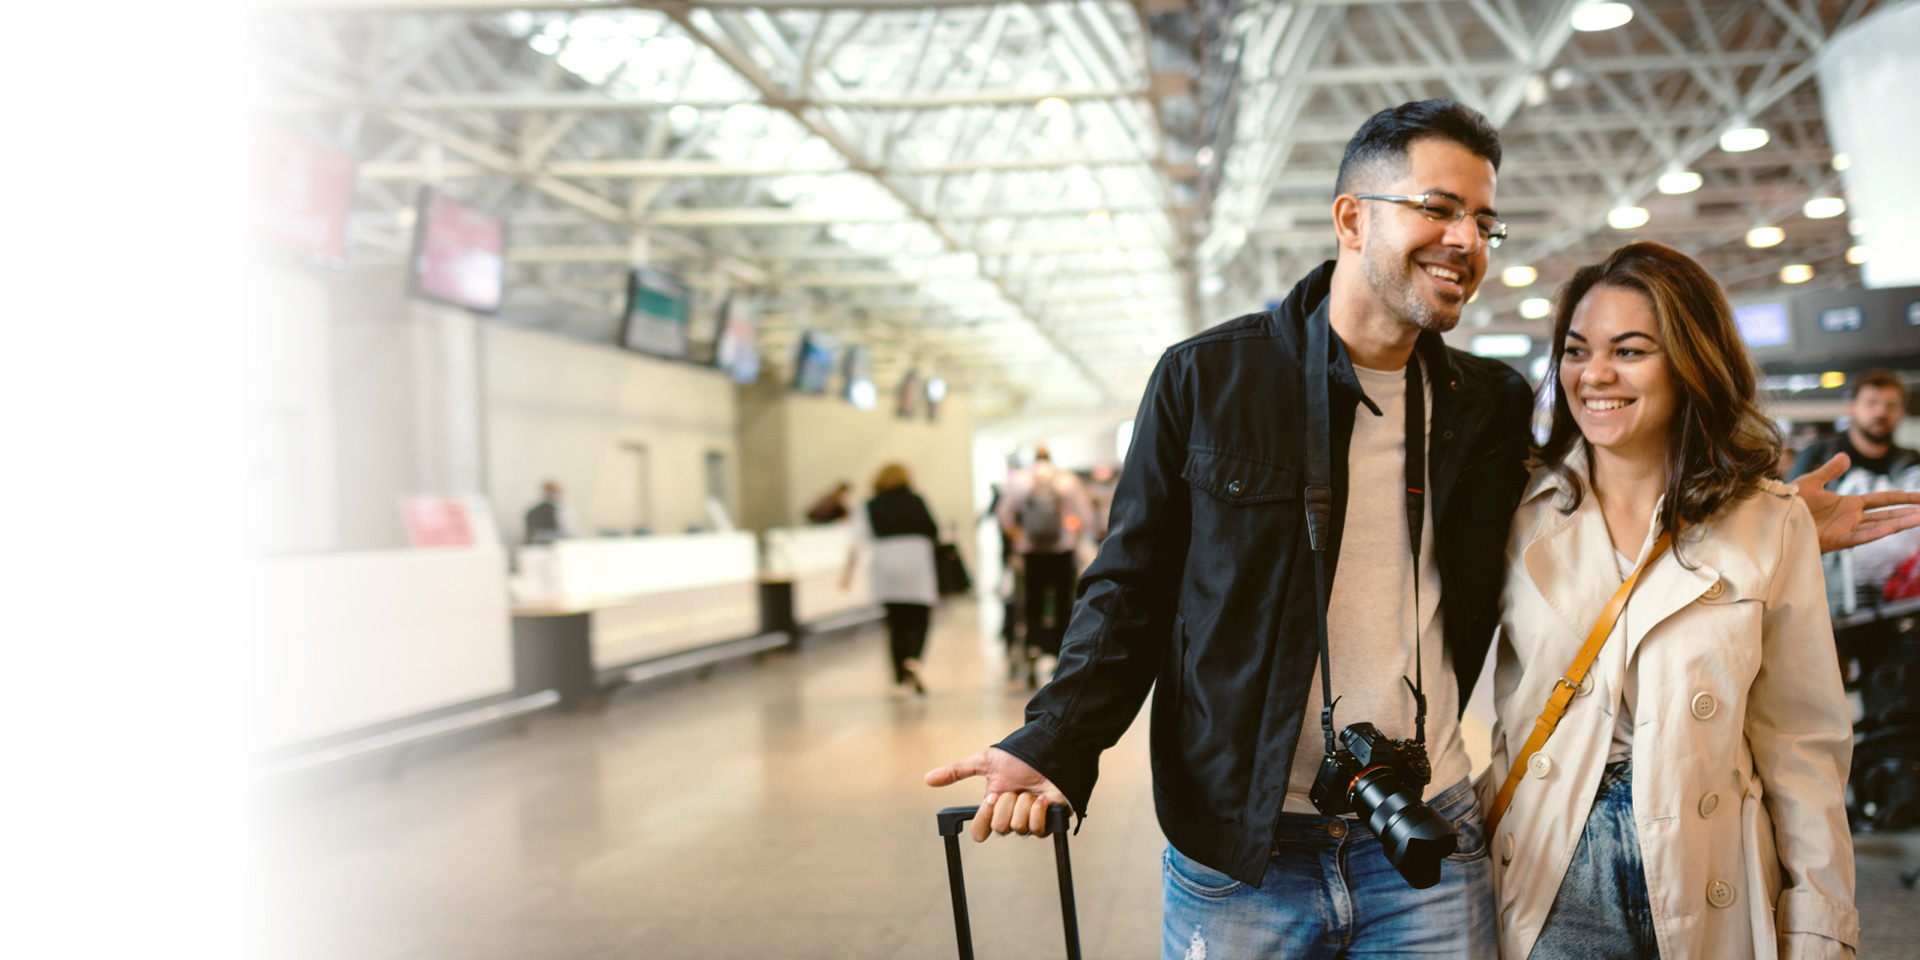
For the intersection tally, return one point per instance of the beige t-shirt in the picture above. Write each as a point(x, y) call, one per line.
point(1370, 613)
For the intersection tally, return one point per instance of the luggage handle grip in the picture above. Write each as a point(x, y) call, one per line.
point(1058, 819)
point(950, 819)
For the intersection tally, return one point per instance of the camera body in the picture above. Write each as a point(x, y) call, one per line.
point(1381, 779)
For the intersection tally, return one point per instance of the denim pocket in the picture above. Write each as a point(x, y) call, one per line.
point(1473, 839)
point(1198, 878)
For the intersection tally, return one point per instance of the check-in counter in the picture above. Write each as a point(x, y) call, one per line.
point(813, 559)
point(585, 608)
point(350, 641)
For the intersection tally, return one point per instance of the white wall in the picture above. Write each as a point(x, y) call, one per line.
point(563, 409)
point(293, 459)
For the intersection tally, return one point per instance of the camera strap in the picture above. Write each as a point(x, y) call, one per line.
point(1319, 503)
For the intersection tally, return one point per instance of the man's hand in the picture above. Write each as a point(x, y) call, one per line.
point(1844, 521)
point(1017, 795)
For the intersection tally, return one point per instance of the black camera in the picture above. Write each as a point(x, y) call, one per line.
point(1380, 779)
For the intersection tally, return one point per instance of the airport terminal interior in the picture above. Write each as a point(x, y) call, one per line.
point(581, 334)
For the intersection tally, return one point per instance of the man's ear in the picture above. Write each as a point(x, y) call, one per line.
point(1349, 221)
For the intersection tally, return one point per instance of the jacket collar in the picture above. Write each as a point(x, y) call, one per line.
point(1310, 301)
point(1571, 561)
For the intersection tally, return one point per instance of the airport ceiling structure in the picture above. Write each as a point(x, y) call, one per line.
point(1033, 199)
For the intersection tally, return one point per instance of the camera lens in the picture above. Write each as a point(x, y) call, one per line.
point(1416, 837)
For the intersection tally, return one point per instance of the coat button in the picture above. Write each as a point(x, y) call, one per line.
point(1448, 435)
point(1709, 803)
point(1234, 488)
point(1703, 705)
point(1506, 848)
point(1540, 765)
point(1585, 687)
point(1720, 893)
point(1454, 385)
point(1714, 592)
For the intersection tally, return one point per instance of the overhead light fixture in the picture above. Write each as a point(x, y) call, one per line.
point(1204, 157)
point(1680, 181)
point(1833, 380)
point(1765, 236)
point(1519, 276)
point(1627, 218)
point(1857, 226)
point(1533, 308)
point(1841, 162)
point(1595, 17)
point(1796, 273)
point(1820, 208)
point(1099, 216)
point(1052, 107)
point(1856, 254)
point(1501, 345)
point(1742, 139)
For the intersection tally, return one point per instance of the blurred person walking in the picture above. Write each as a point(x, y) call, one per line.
point(896, 527)
point(1047, 513)
point(549, 520)
point(1875, 463)
point(831, 507)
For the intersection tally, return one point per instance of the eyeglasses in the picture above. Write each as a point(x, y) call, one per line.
point(1441, 208)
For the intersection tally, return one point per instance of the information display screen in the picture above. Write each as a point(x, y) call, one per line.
point(656, 320)
point(303, 193)
point(1763, 324)
point(1842, 319)
point(737, 350)
point(813, 364)
point(459, 253)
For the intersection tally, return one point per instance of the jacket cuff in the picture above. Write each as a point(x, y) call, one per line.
point(1812, 912)
point(1037, 746)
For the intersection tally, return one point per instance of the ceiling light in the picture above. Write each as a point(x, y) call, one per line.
point(1501, 345)
point(1601, 16)
point(1533, 308)
point(1052, 107)
point(1627, 218)
point(1742, 139)
point(1833, 380)
point(1841, 162)
point(1099, 216)
point(1820, 208)
point(1204, 157)
point(1680, 181)
point(1857, 226)
point(1796, 273)
point(1856, 254)
point(1765, 236)
point(1519, 276)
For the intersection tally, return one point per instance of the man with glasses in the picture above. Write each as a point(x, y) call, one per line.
point(1206, 590)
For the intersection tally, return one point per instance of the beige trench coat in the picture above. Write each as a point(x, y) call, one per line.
point(1742, 735)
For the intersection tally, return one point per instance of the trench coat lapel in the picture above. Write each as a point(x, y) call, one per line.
point(1571, 563)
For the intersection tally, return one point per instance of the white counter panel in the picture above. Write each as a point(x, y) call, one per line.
point(355, 639)
point(666, 623)
point(594, 572)
point(814, 557)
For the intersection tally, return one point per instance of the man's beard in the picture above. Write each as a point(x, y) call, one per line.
point(1876, 436)
point(1391, 278)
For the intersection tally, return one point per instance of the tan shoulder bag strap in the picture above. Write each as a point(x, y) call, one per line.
point(1564, 687)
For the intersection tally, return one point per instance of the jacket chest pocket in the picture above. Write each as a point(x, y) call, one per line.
point(1244, 508)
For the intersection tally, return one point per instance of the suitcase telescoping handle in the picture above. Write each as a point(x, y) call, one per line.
point(1057, 824)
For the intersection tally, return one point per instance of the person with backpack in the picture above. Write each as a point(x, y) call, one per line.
point(1046, 513)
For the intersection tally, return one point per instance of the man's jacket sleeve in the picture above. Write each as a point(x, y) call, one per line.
point(1118, 636)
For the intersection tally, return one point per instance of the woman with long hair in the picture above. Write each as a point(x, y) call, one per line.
point(897, 527)
point(1690, 801)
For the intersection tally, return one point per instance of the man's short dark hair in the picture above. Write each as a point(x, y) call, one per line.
point(1880, 379)
point(1383, 140)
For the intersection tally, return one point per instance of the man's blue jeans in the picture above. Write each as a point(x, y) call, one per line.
point(1330, 892)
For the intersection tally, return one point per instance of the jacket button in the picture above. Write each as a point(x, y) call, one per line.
point(1506, 848)
point(1540, 765)
point(1448, 435)
point(1703, 705)
point(1720, 893)
point(1585, 687)
point(1234, 488)
point(1708, 804)
point(1454, 385)
point(1714, 592)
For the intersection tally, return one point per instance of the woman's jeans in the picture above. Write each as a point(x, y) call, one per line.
point(1330, 892)
point(1602, 910)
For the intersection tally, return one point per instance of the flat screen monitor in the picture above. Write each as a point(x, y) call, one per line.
point(737, 349)
point(1762, 324)
point(907, 405)
point(656, 319)
point(813, 363)
point(459, 253)
point(1848, 319)
point(858, 367)
point(303, 194)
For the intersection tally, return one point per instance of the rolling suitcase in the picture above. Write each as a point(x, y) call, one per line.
point(950, 821)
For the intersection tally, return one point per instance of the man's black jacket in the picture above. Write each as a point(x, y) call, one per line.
point(1205, 581)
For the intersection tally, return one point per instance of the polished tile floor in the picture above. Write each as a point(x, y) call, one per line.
point(771, 810)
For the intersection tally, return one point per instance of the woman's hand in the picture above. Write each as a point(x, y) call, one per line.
point(1845, 521)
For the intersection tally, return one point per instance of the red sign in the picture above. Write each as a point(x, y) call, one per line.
point(461, 255)
point(303, 192)
point(437, 521)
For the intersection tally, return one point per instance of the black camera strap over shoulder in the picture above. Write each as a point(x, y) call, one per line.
point(1320, 509)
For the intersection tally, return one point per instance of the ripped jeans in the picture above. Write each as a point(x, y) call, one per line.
point(1330, 892)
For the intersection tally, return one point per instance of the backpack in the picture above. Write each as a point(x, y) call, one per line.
point(1039, 517)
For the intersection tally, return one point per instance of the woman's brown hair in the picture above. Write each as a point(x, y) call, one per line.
point(892, 475)
point(1719, 444)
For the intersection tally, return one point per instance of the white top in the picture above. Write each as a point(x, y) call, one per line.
point(1370, 613)
point(1622, 748)
point(902, 566)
